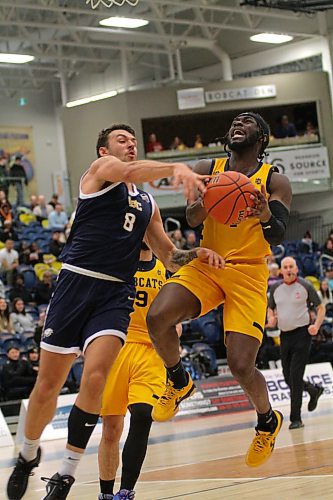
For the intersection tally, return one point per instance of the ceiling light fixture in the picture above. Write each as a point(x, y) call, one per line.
point(270, 38)
point(93, 98)
point(123, 22)
point(15, 58)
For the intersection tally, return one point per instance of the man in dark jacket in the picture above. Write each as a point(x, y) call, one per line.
point(17, 378)
point(18, 173)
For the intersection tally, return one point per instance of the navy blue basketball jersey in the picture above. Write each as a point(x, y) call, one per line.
point(107, 231)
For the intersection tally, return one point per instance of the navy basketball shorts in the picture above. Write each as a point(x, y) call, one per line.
point(83, 308)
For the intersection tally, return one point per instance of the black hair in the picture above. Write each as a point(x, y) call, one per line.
point(264, 132)
point(102, 140)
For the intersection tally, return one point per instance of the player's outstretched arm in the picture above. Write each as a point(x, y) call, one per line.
point(195, 212)
point(172, 257)
point(111, 169)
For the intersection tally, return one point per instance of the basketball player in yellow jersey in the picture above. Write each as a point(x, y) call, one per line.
point(241, 285)
point(135, 381)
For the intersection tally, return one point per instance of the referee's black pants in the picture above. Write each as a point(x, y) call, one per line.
point(295, 349)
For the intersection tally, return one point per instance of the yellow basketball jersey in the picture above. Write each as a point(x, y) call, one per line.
point(244, 241)
point(149, 279)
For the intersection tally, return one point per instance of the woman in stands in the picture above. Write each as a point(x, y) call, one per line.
point(325, 293)
point(22, 321)
point(6, 324)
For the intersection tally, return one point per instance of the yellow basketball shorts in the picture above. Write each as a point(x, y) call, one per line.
point(137, 376)
point(241, 287)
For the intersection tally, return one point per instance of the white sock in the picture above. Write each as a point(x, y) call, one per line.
point(29, 449)
point(70, 462)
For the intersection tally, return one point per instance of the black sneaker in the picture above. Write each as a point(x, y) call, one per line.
point(18, 481)
point(296, 424)
point(58, 486)
point(314, 396)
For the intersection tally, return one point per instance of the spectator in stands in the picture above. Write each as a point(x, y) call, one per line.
point(324, 292)
point(310, 130)
point(22, 321)
point(45, 289)
point(198, 142)
point(36, 254)
point(328, 247)
point(54, 200)
point(153, 145)
point(39, 327)
point(2, 290)
point(307, 245)
point(178, 144)
point(42, 210)
point(191, 241)
point(285, 128)
point(4, 184)
point(9, 260)
point(19, 290)
point(322, 346)
point(58, 218)
point(329, 276)
point(33, 360)
point(17, 378)
point(7, 232)
point(6, 324)
point(33, 202)
point(5, 208)
point(178, 239)
point(274, 274)
point(20, 178)
point(56, 245)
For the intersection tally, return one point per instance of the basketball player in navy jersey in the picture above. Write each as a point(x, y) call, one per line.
point(89, 311)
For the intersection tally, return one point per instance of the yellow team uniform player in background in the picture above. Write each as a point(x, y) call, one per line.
point(138, 374)
point(135, 382)
point(242, 285)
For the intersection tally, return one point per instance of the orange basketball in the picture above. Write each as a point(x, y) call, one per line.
point(228, 196)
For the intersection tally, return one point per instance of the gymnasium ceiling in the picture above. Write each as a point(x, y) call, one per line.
point(67, 41)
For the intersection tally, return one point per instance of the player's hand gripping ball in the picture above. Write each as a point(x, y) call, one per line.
point(228, 196)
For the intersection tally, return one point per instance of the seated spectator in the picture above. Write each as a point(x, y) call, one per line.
point(22, 321)
point(177, 238)
point(39, 327)
point(2, 290)
point(17, 377)
point(42, 210)
point(33, 360)
point(56, 245)
point(153, 145)
point(307, 245)
point(322, 346)
point(24, 253)
point(198, 142)
point(328, 247)
point(329, 276)
point(58, 218)
point(6, 324)
point(191, 241)
point(36, 254)
point(33, 202)
point(7, 232)
point(19, 290)
point(325, 293)
point(5, 208)
point(310, 130)
point(178, 144)
point(54, 200)
point(45, 289)
point(285, 128)
point(274, 274)
point(9, 260)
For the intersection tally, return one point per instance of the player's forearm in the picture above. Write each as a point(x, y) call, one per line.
point(196, 213)
point(178, 258)
point(113, 170)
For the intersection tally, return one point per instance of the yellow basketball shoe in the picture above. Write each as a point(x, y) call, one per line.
point(262, 445)
point(168, 404)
